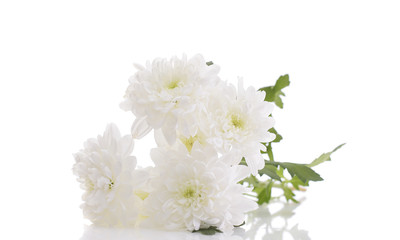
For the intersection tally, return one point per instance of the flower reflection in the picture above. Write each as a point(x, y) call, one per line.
point(98, 233)
point(272, 222)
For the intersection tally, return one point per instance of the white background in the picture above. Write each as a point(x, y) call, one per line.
point(64, 67)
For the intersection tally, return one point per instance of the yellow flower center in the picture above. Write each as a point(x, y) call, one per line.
point(174, 83)
point(237, 121)
point(189, 193)
point(111, 184)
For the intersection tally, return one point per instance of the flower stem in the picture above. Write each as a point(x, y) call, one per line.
point(269, 152)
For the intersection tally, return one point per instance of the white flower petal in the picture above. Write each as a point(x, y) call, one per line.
point(140, 128)
point(168, 131)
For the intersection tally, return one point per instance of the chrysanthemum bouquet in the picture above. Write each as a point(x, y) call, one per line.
point(214, 141)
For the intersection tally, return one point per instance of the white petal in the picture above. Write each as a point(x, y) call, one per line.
point(140, 128)
point(126, 145)
point(139, 67)
point(169, 130)
point(241, 173)
point(139, 177)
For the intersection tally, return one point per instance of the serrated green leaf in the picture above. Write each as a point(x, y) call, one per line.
point(270, 170)
point(209, 63)
point(208, 231)
point(282, 82)
point(324, 157)
point(289, 195)
point(269, 93)
point(250, 180)
point(274, 93)
point(278, 102)
point(278, 137)
point(303, 172)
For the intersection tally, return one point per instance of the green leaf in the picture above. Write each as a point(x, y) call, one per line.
point(269, 191)
point(296, 182)
point(208, 231)
point(209, 63)
point(324, 157)
point(282, 82)
point(259, 189)
point(278, 137)
point(302, 171)
point(289, 195)
point(251, 180)
point(264, 196)
point(280, 172)
point(274, 93)
point(270, 170)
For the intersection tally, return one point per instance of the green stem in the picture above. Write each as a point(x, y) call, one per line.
point(269, 152)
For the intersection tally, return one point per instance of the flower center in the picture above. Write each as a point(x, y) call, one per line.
point(189, 193)
point(237, 121)
point(111, 184)
point(174, 83)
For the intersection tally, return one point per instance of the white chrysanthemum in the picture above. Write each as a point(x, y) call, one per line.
point(196, 190)
point(107, 173)
point(167, 94)
point(238, 121)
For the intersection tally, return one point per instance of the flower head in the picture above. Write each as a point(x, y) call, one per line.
point(107, 173)
point(238, 122)
point(196, 190)
point(168, 94)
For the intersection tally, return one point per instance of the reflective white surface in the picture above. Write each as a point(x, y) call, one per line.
point(273, 222)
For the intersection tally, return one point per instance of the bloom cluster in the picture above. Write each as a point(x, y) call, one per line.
point(203, 126)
